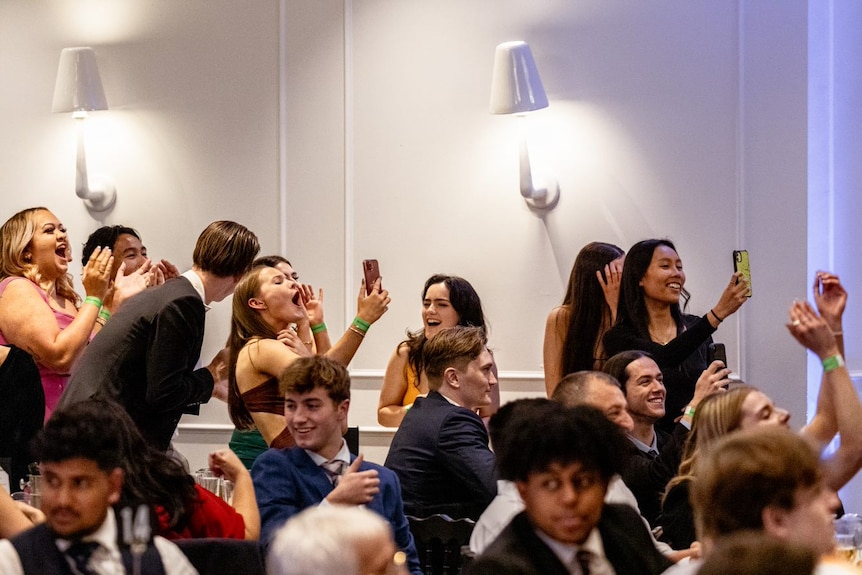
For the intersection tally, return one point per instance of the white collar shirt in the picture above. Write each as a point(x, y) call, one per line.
point(198, 284)
point(566, 553)
point(106, 560)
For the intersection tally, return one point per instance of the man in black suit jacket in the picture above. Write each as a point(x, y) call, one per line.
point(562, 460)
point(655, 455)
point(441, 452)
point(144, 358)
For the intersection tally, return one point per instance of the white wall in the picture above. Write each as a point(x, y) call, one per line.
point(342, 130)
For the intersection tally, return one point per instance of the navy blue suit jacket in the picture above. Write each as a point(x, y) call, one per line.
point(442, 458)
point(145, 359)
point(286, 481)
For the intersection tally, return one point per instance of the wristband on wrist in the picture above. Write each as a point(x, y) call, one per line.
point(101, 321)
point(361, 324)
point(838, 333)
point(105, 314)
point(832, 363)
point(715, 315)
point(317, 328)
point(688, 411)
point(91, 299)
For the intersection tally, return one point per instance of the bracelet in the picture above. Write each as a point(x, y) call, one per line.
point(715, 315)
point(361, 324)
point(838, 333)
point(104, 314)
point(832, 363)
point(688, 411)
point(101, 321)
point(315, 329)
point(93, 300)
point(356, 330)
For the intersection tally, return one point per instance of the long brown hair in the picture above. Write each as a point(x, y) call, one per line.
point(588, 312)
point(245, 325)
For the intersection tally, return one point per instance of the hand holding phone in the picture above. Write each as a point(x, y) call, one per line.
point(742, 265)
point(716, 352)
point(371, 270)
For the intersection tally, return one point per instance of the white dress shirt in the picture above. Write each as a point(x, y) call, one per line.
point(508, 503)
point(106, 560)
point(566, 553)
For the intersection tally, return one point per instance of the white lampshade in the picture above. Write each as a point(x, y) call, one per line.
point(78, 87)
point(516, 87)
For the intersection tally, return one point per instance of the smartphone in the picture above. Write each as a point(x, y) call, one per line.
point(716, 351)
point(372, 272)
point(743, 266)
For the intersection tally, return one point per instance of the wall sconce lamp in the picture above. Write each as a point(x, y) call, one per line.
point(516, 88)
point(79, 90)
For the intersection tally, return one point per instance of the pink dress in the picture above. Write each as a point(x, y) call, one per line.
point(52, 382)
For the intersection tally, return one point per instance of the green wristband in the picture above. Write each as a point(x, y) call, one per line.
point(689, 411)
point(93, 300)
point(315, 329)
point(104, 314)
point(832, 363)
point(361, 323)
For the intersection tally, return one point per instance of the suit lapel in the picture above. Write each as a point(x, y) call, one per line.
point(313, 476)
point(540, 554)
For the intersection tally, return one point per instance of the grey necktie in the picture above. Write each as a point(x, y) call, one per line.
point(334, 470)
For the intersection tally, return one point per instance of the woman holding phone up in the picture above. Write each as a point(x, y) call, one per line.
point(650, 318)
point(265, 304)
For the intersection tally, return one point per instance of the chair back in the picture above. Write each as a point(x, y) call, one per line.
point(440, 542)
point(217, 556)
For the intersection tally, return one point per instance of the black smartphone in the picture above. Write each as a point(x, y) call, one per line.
point(372, 271)
point(742, 265)
point(716, 351)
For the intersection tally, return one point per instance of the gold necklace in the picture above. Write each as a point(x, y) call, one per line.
point(658, 339)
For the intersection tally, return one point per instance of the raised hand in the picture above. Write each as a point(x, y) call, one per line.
point(372, 306)
point(830, 297)
point(811, 330)
point(714, 379)
point(168, 269)
point(126, 286)
point(96, 275)
point(313, 303)
point(732, 298)
point(225, 463)
point(291, 339)
point(610, 283)
point(355, 487)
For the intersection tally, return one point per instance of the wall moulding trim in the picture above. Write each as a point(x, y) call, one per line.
point(509, 381)
point(222, 428)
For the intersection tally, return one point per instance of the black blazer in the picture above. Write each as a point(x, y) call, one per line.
point(518, 550)
point(442, 458)
point(648, 478)
point(145, 359)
